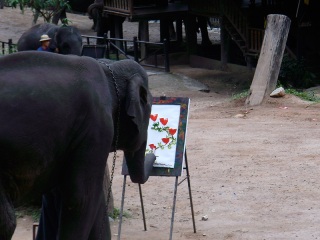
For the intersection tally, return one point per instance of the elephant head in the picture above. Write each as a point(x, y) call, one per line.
point(66, 39)
point(135, 109)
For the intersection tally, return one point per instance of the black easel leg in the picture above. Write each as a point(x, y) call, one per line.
point(190, 194)
point(142, 208)
point(173, 206)
point(122, 204)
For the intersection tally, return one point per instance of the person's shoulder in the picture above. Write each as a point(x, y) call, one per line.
point(40, 49)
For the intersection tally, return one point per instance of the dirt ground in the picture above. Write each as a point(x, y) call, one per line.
point(253, 170)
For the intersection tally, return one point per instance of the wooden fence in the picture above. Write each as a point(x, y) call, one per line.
point(7, 47)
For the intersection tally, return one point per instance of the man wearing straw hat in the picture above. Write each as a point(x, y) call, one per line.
point(45, 41)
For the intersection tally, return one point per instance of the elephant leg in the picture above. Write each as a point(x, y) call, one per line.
point(49, 220)
point(82, 188)
point(101, 225)
point(202, 21)
point(103, 27)
point(7, 216)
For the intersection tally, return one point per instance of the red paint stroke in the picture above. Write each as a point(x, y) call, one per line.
point(164, 121)
point(172, 131)
point(153, 117)
point(165, 140)
point(152, 146)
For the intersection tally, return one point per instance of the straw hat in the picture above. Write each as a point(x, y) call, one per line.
point(44, 37)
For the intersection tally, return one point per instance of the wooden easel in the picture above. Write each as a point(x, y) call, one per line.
point(187, 177)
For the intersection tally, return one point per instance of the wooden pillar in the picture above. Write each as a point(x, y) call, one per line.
point(224, 44)
point(269, 63)
point(191, 34)
point(179, 30)
point(144, 36)
point(164, 29)
point(118, 30)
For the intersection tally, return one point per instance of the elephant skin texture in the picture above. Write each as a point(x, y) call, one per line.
point(61, 115)
point(67, 39)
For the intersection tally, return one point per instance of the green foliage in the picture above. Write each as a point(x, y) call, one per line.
point(293, 73)
point(45, 8)
point(66, 21)
point(32, 211)
point(116, 214)
point(240, 95)
point(308, 96)
point(305, 95)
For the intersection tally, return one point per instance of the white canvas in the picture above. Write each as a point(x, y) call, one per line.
point(162, 134)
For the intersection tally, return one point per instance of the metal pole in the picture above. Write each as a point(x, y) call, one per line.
point(190, 195)
point(142, 208)
point(10, 45)
point(173, 207)
point(135, 48)
point(122, 204)
point(166, 55)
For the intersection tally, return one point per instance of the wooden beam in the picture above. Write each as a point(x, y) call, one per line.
point(269, 62)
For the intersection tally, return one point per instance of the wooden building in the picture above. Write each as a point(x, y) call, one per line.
point(242, 23)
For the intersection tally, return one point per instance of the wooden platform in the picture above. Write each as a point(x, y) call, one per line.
point(152, 12)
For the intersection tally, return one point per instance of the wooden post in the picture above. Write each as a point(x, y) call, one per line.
point(269, 62)
point(144, 36)
point(118, 30)
point(224, 43)
point(191, 34)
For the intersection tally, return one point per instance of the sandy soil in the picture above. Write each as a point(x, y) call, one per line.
point(253, 170)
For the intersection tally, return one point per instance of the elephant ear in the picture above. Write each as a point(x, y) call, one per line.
point(138, 102)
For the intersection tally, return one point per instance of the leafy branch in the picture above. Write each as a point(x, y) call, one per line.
point(44, 8)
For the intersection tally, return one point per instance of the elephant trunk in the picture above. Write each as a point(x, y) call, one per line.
point(139, 164)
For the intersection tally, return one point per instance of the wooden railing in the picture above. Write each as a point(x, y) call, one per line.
point(127, 7)
point(121, 6)
point(254, 40)
point(157, 55)
point(236, 17)
point(7, 47)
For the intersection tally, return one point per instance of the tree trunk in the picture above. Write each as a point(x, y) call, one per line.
point(269, 62)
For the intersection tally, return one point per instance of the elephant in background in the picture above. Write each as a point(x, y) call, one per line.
point(104, 23)
point(95, 13)
point(67, 39)
point(61, 115)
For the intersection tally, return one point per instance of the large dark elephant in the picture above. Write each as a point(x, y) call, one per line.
point(95, 13)
point(92, 7)
point(61, 115)
point(67, 39)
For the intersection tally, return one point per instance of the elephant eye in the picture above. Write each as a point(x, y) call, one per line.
point(143, 95)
